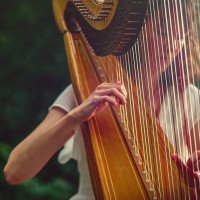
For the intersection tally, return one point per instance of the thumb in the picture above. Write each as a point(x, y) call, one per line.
point(184, 170)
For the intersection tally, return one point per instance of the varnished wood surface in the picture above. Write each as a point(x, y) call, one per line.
point(107, 25)
point(117, 169)
point(110, 152)
point(114, 168)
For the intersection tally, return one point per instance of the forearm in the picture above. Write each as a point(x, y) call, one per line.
point(32, 154)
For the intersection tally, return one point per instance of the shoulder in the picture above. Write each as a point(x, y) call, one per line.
point(192, 91)
point(54, 114)
point(192, 98)
point(192, 103)
point(66, 100)
point(187, 102)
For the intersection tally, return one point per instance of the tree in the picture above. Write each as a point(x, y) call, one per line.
point(33, 72)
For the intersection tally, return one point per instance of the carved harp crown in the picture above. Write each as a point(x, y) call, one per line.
point(152, 46)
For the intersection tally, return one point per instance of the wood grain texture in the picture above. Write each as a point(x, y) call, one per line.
point(115, 168)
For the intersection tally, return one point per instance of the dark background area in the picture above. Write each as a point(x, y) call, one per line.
point(33, 73)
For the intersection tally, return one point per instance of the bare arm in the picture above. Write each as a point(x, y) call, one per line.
point(35, 150)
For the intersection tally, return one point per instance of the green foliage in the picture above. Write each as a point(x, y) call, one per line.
point(33, 73)
point(52, 190)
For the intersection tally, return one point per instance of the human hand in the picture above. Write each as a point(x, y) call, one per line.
point(189, 171)
point(98, 100)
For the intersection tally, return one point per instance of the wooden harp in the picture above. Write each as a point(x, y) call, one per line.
point(129, 153)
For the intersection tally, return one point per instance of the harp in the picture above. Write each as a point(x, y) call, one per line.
point(128, 151)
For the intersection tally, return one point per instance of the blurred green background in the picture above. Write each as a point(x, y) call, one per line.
point(33, 73)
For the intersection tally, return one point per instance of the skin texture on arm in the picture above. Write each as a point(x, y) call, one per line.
point(35, 150)
point(27, 158)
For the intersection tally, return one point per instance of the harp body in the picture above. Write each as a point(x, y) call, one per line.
point(119, 168)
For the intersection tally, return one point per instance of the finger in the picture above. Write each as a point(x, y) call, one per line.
point(117, 81)
point(106, 85)
point(112, 92)
point(105, 99)
point(192, 162)
point(180, 164)
point(197, 166)
point(119, 86)
point(101, 107)
point(123, 88)
point(124, 91)
point(184, 170)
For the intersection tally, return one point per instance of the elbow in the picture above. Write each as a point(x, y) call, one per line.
point(10, 177)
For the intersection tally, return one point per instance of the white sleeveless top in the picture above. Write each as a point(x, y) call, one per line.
point(74, 147)
point(172, 114)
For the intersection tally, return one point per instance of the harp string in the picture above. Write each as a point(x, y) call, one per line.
point(182, 64)
point(198, 38)
point(155, 160)
point(149, 89)
point(153, 45)
point(132, 61)
point(168, 33)
point(146, 65)
point(159, 43)
point(164, 31)
point(124, 64)
point(178, 26)
point(196, 5)
point(181, 82)
point(123, 109)
point(197, 20)
point(127, 130)
point(138, 113)
point(145, 143)
point(197, 25)
point(143, 128)
point(156, 62)
point(166, 117)
point(131, 126)
point(119, 77)
point(133, 110)
point(169, 44)
point(190, 95)
point(183, 85)
point(182, 75)
point(133, 113)
point(127, 66)
point(175, 98)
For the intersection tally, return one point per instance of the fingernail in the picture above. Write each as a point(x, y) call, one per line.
point(124, 91)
